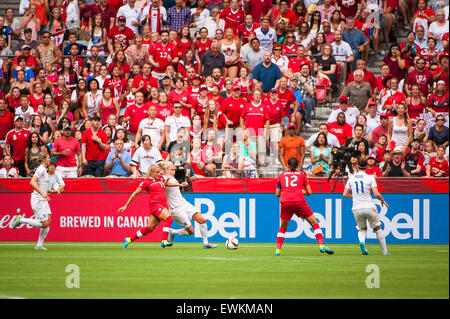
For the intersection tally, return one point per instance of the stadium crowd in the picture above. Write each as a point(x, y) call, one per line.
point(223, 88)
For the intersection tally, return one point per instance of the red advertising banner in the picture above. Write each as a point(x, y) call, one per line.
point(78, 217)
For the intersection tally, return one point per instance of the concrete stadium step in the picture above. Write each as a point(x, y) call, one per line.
point(6, 4)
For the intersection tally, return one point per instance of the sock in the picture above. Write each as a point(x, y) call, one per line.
point(318, 233)
point(141, 233)
point(166, 227)
point(280, 237)
point(42, 234)
point(362, 235)
point(31, 222)
point(382, 240)
point(204, 232)
point(181, 232)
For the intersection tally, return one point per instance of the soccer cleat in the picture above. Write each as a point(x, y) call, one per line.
point(363, 248)
point(127, 241)
point(209, 245)
point(16, 222)
point(165, 244)
point(386, 254)
point(325, 249)
point(278, 252)
point(40, 248)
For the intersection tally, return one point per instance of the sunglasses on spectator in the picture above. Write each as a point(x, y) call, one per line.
point(46, 37)
point(277, 49)
point(177, 107)
point(420, 62)
point(440, 120)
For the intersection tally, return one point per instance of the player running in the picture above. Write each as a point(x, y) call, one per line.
point(159, 211)
point(292, 186)
point(183, 212)
point(358, 188)
point(39, 202)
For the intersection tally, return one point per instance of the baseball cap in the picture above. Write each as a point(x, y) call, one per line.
point(291, 125)
point(373, 104)
point(416, 139)
point(196, 76)
point(18, 117)
point(343, 98)
point(122, 17)
point(397, 150)
point(203, 87)
point(383, 115)
point(273, 90)
point(165, 76)
point(371, 156)
point(26, 46)
point(441, 82)
point(236, 87)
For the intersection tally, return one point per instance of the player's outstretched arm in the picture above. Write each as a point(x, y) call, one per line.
point(377, 194)
point(130, 199)
point(169, 184)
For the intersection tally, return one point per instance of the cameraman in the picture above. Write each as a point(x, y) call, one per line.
point(179, 155)
point(352, 142)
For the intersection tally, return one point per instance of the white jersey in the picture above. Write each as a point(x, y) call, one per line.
point(153, 128)
point(361, 185)
point(173, 194)
point(145, 158)
point(266, 39)
point(351, 115)
point(42, 175)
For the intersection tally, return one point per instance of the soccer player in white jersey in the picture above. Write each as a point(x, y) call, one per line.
point(359, 187)
point(182, 211)
point(39, 202)
point(144, 157)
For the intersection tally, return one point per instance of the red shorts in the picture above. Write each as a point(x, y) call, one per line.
point(288, 209)
point(156, 209)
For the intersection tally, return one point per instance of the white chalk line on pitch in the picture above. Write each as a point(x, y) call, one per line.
point(284, 259)
point(182, 244)
point(11, 297)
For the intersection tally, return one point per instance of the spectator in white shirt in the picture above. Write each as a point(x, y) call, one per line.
point(132, 15)
point(152, 126)
point(332, 140)
point(174, 122)
point(351, 112)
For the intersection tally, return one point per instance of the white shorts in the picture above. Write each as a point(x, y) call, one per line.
point(41, 209)
point(275, 133)
point(67, 172)
point(183, 214)
point(364, 215)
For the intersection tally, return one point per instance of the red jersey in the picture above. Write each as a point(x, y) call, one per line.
point(6, 124)
point(124, 36)
point(160, 52)
point(439, 103)
point(197, 158)
point(342, 132)
point(57, 95)
point(156, 191)
point(202, 47)
point(349, 7)
point(62, 144)
point(77, 62)
point(232, 19)
point(150, 81)
point(290, 50)
point(436, 167)
point(296, 63)
point(164, 111)
point(254, 118)
point(243, 31)
point(424, 79)
point(289, 14)
point(233, 108)
point(14, 103)
point(136, 114)
point(292, 185)
point(200, 106)
point(34, 102)
point(220, 84)
point(182, 68)
point(19, 142)
point(286, 98)
point(93, 150)
point(273, 112)
point(184, 96)
point(209, 151)
point(124, 68)
point(117, 86)
point(374, 171)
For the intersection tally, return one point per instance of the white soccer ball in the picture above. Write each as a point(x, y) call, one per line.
point(232, 243)
point(55, 187)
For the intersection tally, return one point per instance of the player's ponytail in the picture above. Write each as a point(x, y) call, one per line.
point(293, 164)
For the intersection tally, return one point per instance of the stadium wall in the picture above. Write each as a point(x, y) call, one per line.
point(87, 211)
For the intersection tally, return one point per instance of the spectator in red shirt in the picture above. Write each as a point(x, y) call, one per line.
point(414, 158)
point(134, 114)
point(67, 149)
point(17, 139)
point(107, 12)
point(94, 148)
point(284, 12)
point(180, 94)
point(233, 16)
point(145, 81)
point(296, 63)
point(372, 168)
point(419, 76)
point(231, 109)
point(120, 33)
point(439, 101)
point(259, 8)
point(341, 129)
point(162, 54)
point(6, 121)
point(438, 166)
point(441, 72)
point(247, 27)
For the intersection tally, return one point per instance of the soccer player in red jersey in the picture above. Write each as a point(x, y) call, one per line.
point(159, 209)
point(292, 186)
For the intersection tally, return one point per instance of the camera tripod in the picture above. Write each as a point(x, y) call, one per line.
point(341, 174)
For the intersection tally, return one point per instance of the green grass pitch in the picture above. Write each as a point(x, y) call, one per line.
point(145, 270)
